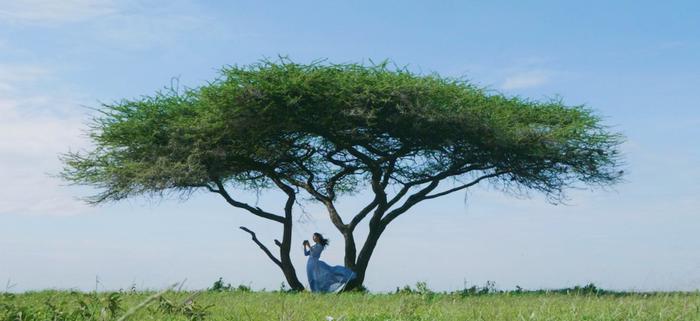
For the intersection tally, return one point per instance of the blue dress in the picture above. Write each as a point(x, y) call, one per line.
point(323, 277)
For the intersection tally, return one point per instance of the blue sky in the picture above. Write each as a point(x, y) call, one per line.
point(636, 63)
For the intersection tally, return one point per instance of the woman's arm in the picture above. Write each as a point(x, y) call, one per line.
point(306, 252)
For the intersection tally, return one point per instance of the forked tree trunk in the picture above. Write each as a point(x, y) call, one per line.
point(287, 267)
point(360, 267)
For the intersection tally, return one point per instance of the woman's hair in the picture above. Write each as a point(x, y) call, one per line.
point(322, 240)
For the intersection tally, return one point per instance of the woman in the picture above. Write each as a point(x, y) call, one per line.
point(323, 277)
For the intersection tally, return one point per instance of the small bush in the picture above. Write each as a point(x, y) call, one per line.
point(220, 286)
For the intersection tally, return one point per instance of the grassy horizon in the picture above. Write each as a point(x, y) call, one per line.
point(417, 303)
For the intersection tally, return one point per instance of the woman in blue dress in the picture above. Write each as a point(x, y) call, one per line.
point(323, 277)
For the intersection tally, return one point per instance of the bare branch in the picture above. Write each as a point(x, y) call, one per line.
point(472, 183)
point(442, 175)
point(255, 210)
point(399, 195)
point(337, 162)
point(367, 160)
point(412, 200)
point(387, 174)
point(361, 215)
point(269, 254)
point(380, 198)
point(423, 195)
point(333, 181)
point(326, 200)
point(452, 171)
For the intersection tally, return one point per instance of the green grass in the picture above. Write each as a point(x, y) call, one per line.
point(244, 305)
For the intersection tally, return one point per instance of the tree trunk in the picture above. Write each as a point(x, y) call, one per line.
point(365, 254)
point(285, 247)
point(287, 267)
point(350, 250)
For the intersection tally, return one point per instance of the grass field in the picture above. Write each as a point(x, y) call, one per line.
point(407, 304)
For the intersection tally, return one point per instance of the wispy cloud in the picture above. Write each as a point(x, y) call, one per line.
point(35, 127)
point(12, 75)
point(131, 24)
point(527, 79)
point(47, 12)
point(145, 27)
point(40, 117)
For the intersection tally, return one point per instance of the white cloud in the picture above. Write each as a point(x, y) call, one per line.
point(45, 12)
point(528, 79)
point(41, 118)
point(133, 24)
point(146, 27)
point(12, 75)
point(34, 129)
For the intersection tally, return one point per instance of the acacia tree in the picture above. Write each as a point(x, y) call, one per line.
point(328, 130)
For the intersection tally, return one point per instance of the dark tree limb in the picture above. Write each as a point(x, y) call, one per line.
point(255, 210)
point(361, 215)
point(410, 201)
point(285, 245)
point(333, 181)
point(338, 162)
point(461, 187)
point(326, 200)
point(365, 159)
point(423, 195)
point(404, 189)
point(380, 197)
point(387, 174)
point(440, 176)
point(263, 247)
point(450, 172)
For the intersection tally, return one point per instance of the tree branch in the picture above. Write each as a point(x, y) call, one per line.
point(326, 200)
point(255, 210)
point(333, 181)
point(361, 215)
point(452, 171)
point(423, 195)
point(472, 183)
point(291, 197)
point(367, 160)
point(412, 200)
point(442, 175)
point(269, 254)
point(399, 195)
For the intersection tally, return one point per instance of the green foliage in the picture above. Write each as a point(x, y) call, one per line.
point(73, 306)
point(76, 306)
point(219, 286)
point(189, 309)
point(488, 288)
point(421, 288)
point(332, 126)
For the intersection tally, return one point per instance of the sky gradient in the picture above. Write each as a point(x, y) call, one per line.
point(636, 63)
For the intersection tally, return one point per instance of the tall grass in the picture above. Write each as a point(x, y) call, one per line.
point(418, 303)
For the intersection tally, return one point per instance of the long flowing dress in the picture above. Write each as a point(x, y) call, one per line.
point(323, 277)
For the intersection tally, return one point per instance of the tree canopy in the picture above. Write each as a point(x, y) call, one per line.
point(332, 129)
point(290, 120)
